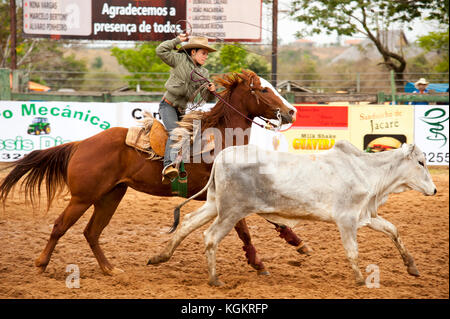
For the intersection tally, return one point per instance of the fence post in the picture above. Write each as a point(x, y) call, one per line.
point(16, 80)
point(5, 89)
point(358, 82)
point(380, 98)
point(107, 97)
point(393, 88)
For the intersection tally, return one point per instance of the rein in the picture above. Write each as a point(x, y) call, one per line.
point(268, 123)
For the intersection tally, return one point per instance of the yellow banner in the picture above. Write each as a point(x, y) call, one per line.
point(313, 141)
point(377, 128)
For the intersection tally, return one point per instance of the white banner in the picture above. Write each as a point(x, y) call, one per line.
point(26, 126)
point(230, 20)
point(431, 132)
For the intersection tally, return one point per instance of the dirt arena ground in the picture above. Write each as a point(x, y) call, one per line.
point(139, 230)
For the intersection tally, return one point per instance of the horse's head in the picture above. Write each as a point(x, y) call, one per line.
point(262, 99)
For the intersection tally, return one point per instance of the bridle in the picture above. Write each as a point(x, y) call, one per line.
point(268, 125)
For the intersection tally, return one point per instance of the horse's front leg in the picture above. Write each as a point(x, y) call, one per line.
point(250, 251)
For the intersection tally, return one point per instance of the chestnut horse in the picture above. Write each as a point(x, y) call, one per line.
point(99, 169)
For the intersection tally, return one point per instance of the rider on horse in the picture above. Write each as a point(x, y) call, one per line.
point(180, 87)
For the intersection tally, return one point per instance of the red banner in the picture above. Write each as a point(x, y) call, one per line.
point(315, 116)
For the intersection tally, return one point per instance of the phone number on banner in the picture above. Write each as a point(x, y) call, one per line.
point(437, 158)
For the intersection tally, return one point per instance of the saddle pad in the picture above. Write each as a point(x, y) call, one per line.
point(137, 138)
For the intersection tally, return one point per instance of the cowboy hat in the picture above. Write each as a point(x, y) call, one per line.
point(197, 43)
point(421, 81)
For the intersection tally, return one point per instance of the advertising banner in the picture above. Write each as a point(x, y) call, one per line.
point(232, 20)
point(431, 124)
point(317, 128)
point(142, 20)
point(27, 126)
point(376, 128)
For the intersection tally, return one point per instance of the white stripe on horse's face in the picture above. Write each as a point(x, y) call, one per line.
point(267, 84)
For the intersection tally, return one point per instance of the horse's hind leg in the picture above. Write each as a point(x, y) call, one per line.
point(103, 212)
point(69, 216)
point(250, 251)
point(292, 239)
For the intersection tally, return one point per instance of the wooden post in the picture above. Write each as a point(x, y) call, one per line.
point(393, 88)
point(5, 90)
point(358, 82)
point(274, 42)
point(12, 10)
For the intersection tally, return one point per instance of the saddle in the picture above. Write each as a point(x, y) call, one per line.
point(151, 138)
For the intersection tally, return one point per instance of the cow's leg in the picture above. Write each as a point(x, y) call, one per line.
point(348, 230)
point(291, 238)
point(213, 235)
point(384, 226)
point(103, 212)
point(250, 251)
point(190, 223)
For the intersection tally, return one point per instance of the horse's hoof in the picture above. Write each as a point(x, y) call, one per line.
point(41, 269)
point(216, 283)
point(263, 272)
point(304, 250)
point(412, 270)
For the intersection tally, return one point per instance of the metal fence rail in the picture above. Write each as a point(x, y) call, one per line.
point(141, 81)
point(15, 87)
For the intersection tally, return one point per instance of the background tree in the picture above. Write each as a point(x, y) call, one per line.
point(233, 58)
point(140, 62)
point(371, 18)
point(437, 42)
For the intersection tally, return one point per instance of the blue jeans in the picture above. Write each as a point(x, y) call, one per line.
point(169, 115)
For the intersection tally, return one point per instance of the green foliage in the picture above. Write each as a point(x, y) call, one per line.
point(234, 58)
point(437, 42)
point(138, 62)
point(370, 18)
point(98, 63)
point(360, 16)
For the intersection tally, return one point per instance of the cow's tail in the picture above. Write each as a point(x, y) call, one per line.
point(49, 164)
point(176, 211)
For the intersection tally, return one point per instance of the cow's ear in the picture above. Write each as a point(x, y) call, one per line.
point(408, 149)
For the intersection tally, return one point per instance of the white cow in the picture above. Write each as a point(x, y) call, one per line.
point(342, 185)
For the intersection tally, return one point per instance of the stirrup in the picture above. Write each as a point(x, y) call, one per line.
point(169, 173)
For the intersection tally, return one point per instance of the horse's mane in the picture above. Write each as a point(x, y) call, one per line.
point(220, 114)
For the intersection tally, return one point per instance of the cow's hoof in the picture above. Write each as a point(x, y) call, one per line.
point(113, 272)
point(360, 282)
point(304, 250)
point(263, 272)
point(215, 283)
point(412, 270)
point(155, 260)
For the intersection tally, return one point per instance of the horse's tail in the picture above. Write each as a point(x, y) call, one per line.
point(176, 211)
point(50, 164)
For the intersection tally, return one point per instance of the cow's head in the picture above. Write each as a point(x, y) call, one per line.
point(417, 176)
